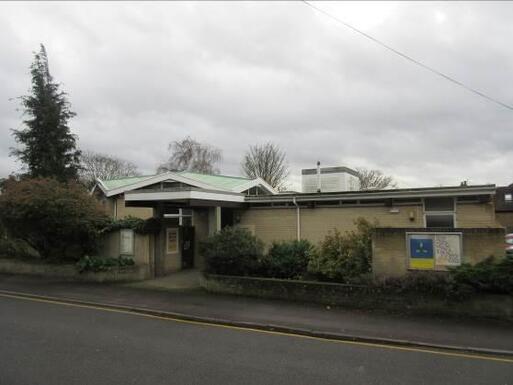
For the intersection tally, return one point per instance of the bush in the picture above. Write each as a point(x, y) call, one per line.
point(344, 257)
point(14, 248)
point(96, 264)
point(232, 251)
point(60, 220)
point(486, 276)
point(140, 226)
point(288, 259)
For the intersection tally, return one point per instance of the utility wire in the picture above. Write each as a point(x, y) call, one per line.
point(409, 58)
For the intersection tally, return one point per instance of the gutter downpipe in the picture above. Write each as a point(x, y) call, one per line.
point(298, 219)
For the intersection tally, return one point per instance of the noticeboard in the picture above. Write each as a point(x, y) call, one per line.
point(172, 240)
point(126, 239)
point(432, 251)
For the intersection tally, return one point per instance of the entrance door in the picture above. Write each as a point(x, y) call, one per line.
point(187, 247)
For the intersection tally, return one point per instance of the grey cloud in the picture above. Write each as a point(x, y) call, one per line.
point(140, 75)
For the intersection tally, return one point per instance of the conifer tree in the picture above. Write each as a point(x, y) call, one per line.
point(48, 148)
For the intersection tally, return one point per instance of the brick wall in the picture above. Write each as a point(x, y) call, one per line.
point(317, 222)
point(270, 224)
point(116, 204)
point(475, 215)
point(275, 224)
point(138, 212)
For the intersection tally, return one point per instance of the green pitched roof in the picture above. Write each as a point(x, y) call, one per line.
point(223, 182)
point(112, 184)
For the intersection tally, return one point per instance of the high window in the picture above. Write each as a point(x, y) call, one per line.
point(439, 212)
point(182, 217)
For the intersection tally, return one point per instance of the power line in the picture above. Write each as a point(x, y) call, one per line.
point(409, 58)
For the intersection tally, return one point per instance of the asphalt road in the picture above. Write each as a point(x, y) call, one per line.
point(45, 343)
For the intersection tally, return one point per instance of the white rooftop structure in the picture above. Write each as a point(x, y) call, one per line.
point(329, 179)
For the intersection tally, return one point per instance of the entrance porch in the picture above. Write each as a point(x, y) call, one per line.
point(186, 220)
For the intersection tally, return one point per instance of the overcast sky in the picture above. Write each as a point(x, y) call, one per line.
point(140, 75)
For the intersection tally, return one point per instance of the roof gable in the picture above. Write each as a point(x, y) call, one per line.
point(212, 182)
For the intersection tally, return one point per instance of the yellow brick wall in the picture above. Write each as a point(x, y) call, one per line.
point(168, 262)
point(274, 224)
point(475, 215)
point(479, 246)
point(280, 224)
point(316, 223)
point(389, 255)
point(123, 211)
point(270, 224)
point(114, 204)
point(110, 247)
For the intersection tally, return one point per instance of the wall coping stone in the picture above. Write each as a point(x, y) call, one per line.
point(69, 271)
point(285, 281)
point(468, 230)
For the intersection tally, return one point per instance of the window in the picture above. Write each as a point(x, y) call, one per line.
point(182, 216)
point(439, 204)
point(508, 198)
point(126, 242)
point(440, 220)
point(439, 212)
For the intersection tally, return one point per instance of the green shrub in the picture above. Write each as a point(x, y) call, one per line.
point(96, 264)
point(141, 226)
point(489, 275)
point(344, 257)
point(60, 220)
point(288, 259)
point(232, 251)
point(15, 248)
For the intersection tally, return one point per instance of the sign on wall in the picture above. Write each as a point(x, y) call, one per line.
point(448, 250)
point(171, 240)
point(126, 239)
point(429, 251)
point(421, 252)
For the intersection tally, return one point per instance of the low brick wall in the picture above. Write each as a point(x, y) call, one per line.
point(70, 272)
point(358, 296)
point(390, 253)
point(294, 290)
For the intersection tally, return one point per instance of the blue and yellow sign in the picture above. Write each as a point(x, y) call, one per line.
point(421, 253)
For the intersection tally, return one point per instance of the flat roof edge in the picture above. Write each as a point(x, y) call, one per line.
point(381, 194)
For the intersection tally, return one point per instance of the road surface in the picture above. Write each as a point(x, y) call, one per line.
point(51, 343)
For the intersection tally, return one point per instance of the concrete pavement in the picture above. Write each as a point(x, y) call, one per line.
point(311, 319)
point(45, 343)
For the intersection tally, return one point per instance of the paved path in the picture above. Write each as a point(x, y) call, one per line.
point(181, 280)
point(52, 344)
point(486, 334)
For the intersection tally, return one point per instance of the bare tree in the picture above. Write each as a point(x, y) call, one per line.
point(374, 180)
point(190, 155)
point(268, 162)
point(96, 165)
